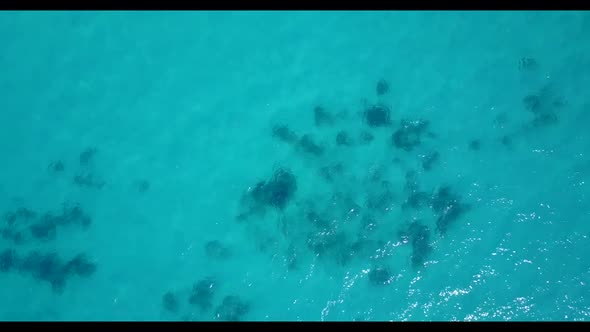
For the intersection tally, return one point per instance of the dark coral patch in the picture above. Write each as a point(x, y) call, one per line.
point(343, 139)
point(202, 293)
point(419, 236)
point(429, 160)
point(8, 260)
point(322, 117)
point(308, 145)
point(50, 268)
point(278, 191)
point(475, 145)
point(81, 266)
point(142, 186)
point(46, 267)
point(87, 156)
point(378, 116)
point(408, 136)
point(56, 166)
point(170, 302)
point(366, 137)
point(216, 250)
point(88, 180)
point(532, 103)
point(382, 87)
point(232, 308)
point(329, 173)
point(45, 229)
point(448, 207)
point(284, 133)
point(380, 276)
point(527, 64)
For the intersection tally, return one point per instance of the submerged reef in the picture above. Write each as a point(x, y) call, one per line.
point(202, 293)
point(309, 146)
point(276, 192)
point(232, 308)
point(378, 116)
point(382, 87)
point(284, 133)
point(380, 276)
point(216, 250)
point(322, 117)
point(409, 135)
point(170, 302)
point(87, 156)
point(50, 268)
point(448, 206)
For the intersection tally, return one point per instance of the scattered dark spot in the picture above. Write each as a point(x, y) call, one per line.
point(22, 213)
point(170, 302)
point(380, 200)
point(366, 137)
point(342, 138)
point(25, 213)
point(545, 119)
point(382, 87)
point(532, 103)
point(364, 247)
point(44, 230)
point(417, 199)
point(378, 116)
point(216, 250)
point(232, 308)
point(71, 214)
point(16, 237)
point(142, 186)
point(56, 166)
point(380, 276)
point(10, 218)
point(87, 155)
point(558, 103)
point(506, 140)
point(329, 172)
point(81, 266)
point(448, 207)
point(50, 268)
point(407, 137)
point(8, 260)
point(430, 160)
point(322, 117)
point(501, 119)
point(527, 64)
point(419, 236)
point(283, 133)
point(88, 180)
point(308, 145)
point(278, 191)
point(475, 145)
point(46, 267)
point(443, 198)
point(202, 294)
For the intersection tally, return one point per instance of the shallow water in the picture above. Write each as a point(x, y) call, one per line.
point(180, 107)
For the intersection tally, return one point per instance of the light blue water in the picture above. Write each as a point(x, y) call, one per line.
point(180, 107)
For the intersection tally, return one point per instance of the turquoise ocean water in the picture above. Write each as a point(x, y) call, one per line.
point(294, 166)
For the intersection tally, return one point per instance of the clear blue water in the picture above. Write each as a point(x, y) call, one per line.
point(134, 140)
